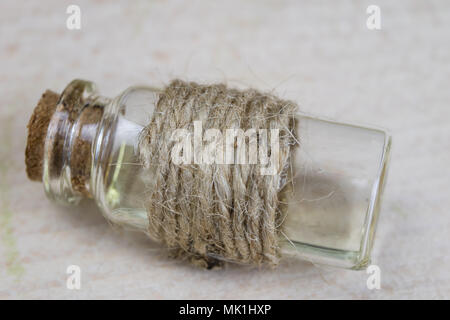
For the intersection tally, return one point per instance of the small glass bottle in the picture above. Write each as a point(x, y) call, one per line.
point(82, 145)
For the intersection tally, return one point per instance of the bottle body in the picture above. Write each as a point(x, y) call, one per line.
point(335, 184)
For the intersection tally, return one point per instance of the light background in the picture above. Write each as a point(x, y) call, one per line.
point(318, 53)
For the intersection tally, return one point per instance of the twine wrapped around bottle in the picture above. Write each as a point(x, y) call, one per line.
point(211, 213)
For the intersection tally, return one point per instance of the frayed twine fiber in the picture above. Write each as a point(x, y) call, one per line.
point(211, 213)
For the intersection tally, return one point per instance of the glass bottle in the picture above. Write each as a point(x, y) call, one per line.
point(91, 150)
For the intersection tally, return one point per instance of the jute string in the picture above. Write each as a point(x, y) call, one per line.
point(211, 213)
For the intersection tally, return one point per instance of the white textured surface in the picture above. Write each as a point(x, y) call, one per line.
point(318, 53)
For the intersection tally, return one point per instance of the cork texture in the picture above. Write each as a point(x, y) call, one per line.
point(80, 159)
point(37, 132)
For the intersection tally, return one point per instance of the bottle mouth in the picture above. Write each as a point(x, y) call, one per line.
point(61, 131)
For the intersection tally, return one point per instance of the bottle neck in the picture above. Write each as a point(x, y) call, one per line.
point(71, 137)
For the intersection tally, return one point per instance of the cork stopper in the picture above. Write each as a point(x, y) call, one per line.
point(37, 132)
